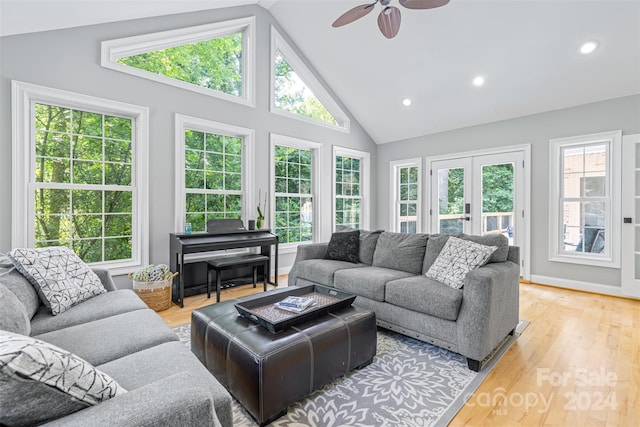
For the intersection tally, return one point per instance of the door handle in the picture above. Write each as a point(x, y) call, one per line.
point(467, 218)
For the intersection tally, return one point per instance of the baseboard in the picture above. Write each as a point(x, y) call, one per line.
point(283, 270)
point(577, 285)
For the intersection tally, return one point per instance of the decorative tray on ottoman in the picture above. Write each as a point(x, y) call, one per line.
point(264, 312)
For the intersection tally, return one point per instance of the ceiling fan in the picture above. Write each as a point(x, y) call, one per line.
point(389, 18)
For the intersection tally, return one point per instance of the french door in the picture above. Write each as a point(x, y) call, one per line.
point(479, 195)
point(631, 215)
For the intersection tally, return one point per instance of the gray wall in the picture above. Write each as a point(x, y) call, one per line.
point(537, 130)
point(70, 60)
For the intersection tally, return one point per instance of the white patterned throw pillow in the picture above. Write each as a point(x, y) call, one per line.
point(56, 381)
point(61, 278)
point(457, 258)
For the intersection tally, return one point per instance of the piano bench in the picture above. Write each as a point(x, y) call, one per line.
point(245, 260)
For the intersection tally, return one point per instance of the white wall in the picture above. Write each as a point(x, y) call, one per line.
point(70, 60)
point(537, 130)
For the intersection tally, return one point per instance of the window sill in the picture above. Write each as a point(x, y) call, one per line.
point(593, 260)
point(291, 248)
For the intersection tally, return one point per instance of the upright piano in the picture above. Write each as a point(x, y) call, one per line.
point(220, 235)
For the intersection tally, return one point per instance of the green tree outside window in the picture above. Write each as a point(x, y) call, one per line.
point(292, 95)
point(213, 177)
point(215, 64)
point(294, 198)
point(81, 157)
point(348, 191)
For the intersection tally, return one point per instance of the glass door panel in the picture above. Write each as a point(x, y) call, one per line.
point(498, 200)
point(631, 215)
point(481, 195)
point(451, 189)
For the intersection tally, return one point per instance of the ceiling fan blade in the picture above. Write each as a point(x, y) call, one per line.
point(389, 21)
point(423, 4)
point(353, 14)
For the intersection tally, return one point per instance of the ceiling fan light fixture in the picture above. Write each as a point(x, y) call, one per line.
point(389, 18)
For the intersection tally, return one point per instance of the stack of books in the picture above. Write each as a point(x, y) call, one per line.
point(295, 304)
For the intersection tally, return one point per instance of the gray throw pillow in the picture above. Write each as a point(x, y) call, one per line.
point(399, 251)
point(434, 246)
point(11, 278)
point(457, 258)
point(500, 241)
point(368, 241)
point(41, 382)
point(344, 246)
point(60, 276)
point(13, 316)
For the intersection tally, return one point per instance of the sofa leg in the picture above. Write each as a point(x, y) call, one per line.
point(512, 332)
point(474, 365)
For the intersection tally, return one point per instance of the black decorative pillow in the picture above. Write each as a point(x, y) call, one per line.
point(344, 246)
point(42, 382)
point(61, 278)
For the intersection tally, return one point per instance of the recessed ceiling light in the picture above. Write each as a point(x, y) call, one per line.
point(589, 47)
point(406, 102)
point(478, 81)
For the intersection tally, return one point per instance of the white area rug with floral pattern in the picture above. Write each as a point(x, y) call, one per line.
point(409, 383)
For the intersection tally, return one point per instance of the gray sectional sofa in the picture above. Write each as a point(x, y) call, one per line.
point(115, 332)
point(390, 280)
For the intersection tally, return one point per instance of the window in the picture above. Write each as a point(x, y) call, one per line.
point(297, 93)
point(80, 179)
point(213, 172)
point(585, 198)
point(215, 59)
point(295, 166)
point(405, 210)
point(350, 171)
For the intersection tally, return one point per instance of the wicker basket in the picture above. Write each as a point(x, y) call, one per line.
point(157, 295)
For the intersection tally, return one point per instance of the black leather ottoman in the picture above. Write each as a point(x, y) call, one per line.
point(267, 372)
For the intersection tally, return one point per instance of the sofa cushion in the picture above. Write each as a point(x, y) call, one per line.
point(322, 270)
point(104, 340)
point(457, 258)
point(344, 246)
point(368, 241)
point(500, 241)
point(368, 282)
point(13, 315)
point(434, 246)
point(40, 381)
point(19, 285)
point(424, 295)
point(400, 251)
point(147, 366)
point(99, 307)
point(61, 278)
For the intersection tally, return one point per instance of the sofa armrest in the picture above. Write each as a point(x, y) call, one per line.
point(311, 251)
point(490, 308)
point(105, 278)
point(170, 401)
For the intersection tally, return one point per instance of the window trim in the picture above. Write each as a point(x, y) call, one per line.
point(309, 79)
point(316, 185)
point(24, 97)
point(365, 178)
point(184, 122)
point(112, 50)
point(612, 223)
point(394, 168)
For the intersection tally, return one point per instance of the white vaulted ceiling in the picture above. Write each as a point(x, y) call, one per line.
point(527, 51)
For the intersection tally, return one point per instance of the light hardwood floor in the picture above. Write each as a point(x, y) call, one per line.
point(576, 364)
